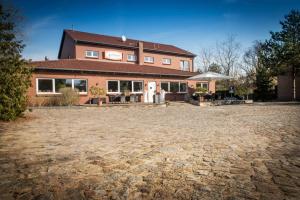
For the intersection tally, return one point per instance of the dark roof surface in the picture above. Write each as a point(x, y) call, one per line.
point(129, 43)
point(111, 67)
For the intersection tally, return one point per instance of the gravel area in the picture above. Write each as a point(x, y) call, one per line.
point(175, 152)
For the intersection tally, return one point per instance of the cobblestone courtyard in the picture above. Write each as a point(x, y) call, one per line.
point(176, 152)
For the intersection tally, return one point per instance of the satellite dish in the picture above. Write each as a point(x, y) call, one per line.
point(123, 38)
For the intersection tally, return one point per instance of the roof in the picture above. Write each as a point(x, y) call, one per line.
point(79, 36)
point(107, 67)
point(210, 76)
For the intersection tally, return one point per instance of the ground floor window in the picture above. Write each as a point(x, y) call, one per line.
point(52, 85)
point(175, 87)
point(45, 85)
point(62, 83)
point(202, 85)
point(121, 86)
point(113, 86)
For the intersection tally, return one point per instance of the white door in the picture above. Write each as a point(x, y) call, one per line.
point(151, 91)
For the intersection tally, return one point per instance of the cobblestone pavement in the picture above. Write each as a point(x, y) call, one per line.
point(176, 152)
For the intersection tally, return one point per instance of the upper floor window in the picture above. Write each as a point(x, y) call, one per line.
point(167, 61)
point(131, 57)
point(92, 54)
point(184, 65)
point(149, 59)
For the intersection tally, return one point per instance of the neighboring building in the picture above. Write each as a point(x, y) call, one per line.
point(116, 64)
point(288, 87)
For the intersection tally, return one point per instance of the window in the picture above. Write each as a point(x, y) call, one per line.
point(52, 86)
point(112, 86)
point(45, 85)
point(184, 65)
point(62, 83)
point(80, 85)
point(120, 86)
point(173, 87)
point(183, 87)
point(137, 86)
point(149, 59)
point(202, 85)
point(167, 61)
point(131, 57)
point(165, 86)
point(92, 54)
point(125, 86)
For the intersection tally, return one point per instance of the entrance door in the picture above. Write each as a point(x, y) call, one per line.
point(151, 91)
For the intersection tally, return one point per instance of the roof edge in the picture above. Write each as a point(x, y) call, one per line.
point(106, 71)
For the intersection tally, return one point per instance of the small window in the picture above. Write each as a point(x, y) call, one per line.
point(183, 87)
point(112, 86)
point(45, 85)
point(202, 85)
point(174, 87)
point(131, 57)
point(92, 54)
point(164, 86)
point(62, 83)
point(184, 65)
point(80, 85)
point(137, 86)
point(149, 59)
point(167, 61)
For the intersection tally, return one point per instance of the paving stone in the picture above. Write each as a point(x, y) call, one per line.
point(142, 153)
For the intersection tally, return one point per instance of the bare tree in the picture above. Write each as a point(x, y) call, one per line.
point(227, 55)
point(250, 60)
point(206, 58)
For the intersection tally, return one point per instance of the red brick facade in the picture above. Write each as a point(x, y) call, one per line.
point(74, 63)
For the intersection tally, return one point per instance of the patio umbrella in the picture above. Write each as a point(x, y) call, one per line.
point(208, 76)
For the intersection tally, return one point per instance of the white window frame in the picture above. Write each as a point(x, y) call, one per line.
point(183, 65)
point(132, 56)
point(92, 56)
point(166, 63)
point(147, 61)
point(73, 86)
point(53, 85)
point(132, 84)
point(37, 85)
point(118, 92)
point(169, 88)
point(132, 87)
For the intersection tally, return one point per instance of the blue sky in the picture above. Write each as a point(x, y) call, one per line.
point(191, 25)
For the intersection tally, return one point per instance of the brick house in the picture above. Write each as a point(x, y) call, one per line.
point(116, 64)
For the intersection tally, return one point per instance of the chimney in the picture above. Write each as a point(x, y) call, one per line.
point(141, 53)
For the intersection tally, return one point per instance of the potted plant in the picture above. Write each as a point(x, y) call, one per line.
point(97, 93)
point(202, 92)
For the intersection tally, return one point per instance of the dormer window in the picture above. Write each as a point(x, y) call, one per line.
point(149, 59)
point(131, 57)
point(166, 61)
point(91, 54)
